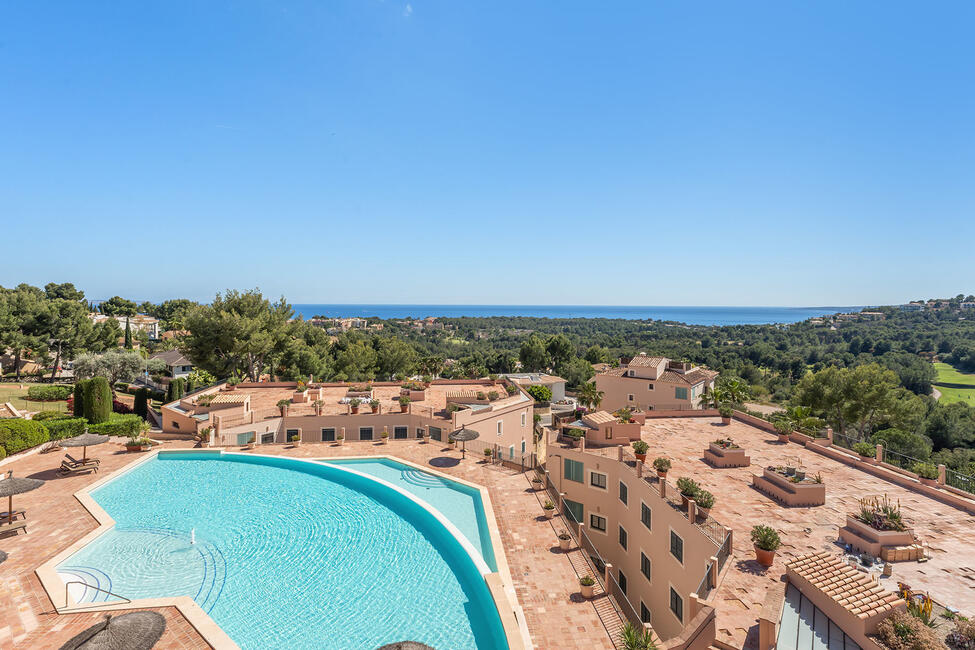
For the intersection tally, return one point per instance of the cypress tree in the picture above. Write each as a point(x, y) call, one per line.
point(78, 407)
point(179, 388)
point(141, 407)
point(97, 397)
point(128, 334)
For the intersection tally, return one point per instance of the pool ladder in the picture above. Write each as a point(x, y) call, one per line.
point(88, 586)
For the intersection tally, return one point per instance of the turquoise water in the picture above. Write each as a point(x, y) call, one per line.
point(287, 554)
point(459, 503)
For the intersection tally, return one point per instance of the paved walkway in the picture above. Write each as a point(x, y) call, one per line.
point(544, 578)
point(949, 575)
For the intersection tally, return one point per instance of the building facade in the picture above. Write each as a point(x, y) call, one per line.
point(654, 383)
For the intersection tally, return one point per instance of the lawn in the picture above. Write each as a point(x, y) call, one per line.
point(16, 395)
point(954, 386)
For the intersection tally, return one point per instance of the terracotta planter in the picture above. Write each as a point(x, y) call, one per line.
point(783, 437)
point(930, 482)
point(702, 513)
point(296, 443)
point(765, 558)
point(725, 420)
point(403, 408)
point(586, 590)
point(550, 513)
point(340, 441)
point(565, 544)
point(133, 448)
point(537, 487)
point(355, 409)
point(375, 409)
point(662, 475)
point(641, 457)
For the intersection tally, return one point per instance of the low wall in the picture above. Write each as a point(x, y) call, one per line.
point(676, 413)
point(758, 423)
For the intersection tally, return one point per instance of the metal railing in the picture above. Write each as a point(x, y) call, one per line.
point(898, 459)
point(960, 481)
point(88, 586)
point(724, 552)
point(704, 589)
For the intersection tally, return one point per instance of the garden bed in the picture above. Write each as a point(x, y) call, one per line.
point(790, 490)
point(724, 454)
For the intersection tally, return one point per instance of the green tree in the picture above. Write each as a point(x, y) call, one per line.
point(533, 354)
point(590, 396)
point(903, 442)
point(141, 403)
point(96, 400)
point(128, 334)
point(577, 372)
point(117, 306)
point(65, 291)
point(560, 350)
point(24, 330)
point(596, 354)
point(395, 357)
point(950, 425)
point(356, 361)
point(67, 327)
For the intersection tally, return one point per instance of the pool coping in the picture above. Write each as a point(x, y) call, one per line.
point(499, 586)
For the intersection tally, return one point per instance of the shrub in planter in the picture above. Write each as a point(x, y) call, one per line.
point(282, 405)
point(493, 395)
point(688, 487)
point(662, 465)
point(404, 403)
point(488, 453)
point(640, 448)
point(575, 435)
point(44, 393)
point(901, 631)
point(865, 449)
point(767, 541)
point(565, 541)
point(926, 471)
point(704, 500)
point(65, 427)
point(17, 434)
point(587, 584)
point(511, 390)
point(725, 412)
point(374, 403)
point(549, 509)
point(354, 403)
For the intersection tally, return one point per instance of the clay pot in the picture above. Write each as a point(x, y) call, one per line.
point(765, 558)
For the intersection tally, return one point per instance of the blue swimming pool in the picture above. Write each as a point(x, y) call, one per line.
point(460, 503)
point(288, 553)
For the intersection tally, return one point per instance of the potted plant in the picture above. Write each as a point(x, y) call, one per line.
point(295, 439)
point(384, 435)
point(704, 501)
point(725, 412)
point(232, 383)
point(340, 438)
point(688, 489)
point(927, 473)
point(586, 586)
point(318, 404)
point(354, 404)
point(575, 435)
point(662, 465)
point(374, 403)
point(134, 443)
point(510, 389)
point(640, 448)
point(537, 483)
point(767, 542)
point(866, 451)
point(205, 434)
point(420, 433)
point(493, 395)
point(549, 509)
point(784, 429)
point(488, 454)
point(404, 403)
point(283, 406)
point(565, 541)
point(249, 444)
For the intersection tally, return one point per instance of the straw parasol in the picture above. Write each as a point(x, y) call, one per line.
point(84, 440)
point(464, 435)
point(135, 631)
point(3, 557)
point(11, 486)
point(406, 645)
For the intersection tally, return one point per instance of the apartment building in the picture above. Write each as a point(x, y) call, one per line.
point(137, 323)
point(654, 383)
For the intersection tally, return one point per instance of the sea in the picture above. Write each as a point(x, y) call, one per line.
point(687, 315)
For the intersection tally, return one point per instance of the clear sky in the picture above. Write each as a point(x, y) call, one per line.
point(639, 153)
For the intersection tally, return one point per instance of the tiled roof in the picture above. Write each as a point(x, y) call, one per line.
point(171, 358)
point(857, 592)
point(641, 361)
point(232, 397)
point(598, 417)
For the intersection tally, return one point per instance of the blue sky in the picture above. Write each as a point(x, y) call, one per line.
point(739, 153)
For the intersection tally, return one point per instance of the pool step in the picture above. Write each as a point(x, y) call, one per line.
point(420, 479)
point(96, 583)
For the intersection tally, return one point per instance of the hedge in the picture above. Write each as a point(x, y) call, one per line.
point(66, 427)
point(18, 434)
point(96, 400)
point(49, 415)
point(141, 407)
point(48, 393)
point(118, 425)
point(3, 453)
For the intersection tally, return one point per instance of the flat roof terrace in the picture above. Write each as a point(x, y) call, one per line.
point(948, 575)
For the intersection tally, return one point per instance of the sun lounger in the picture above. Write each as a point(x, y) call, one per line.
point(21, 514)
point(87, 461)
point(12, 528)
point(67, 469)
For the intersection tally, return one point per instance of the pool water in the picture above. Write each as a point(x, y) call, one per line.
point(459, 503)
point(287, 553)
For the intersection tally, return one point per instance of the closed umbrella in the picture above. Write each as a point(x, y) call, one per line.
point(16, 485)
point(84, 440)
point(463, 435)
point(135, 631)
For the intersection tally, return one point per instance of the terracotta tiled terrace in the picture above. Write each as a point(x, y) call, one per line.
point(544, 578)
point(949, 574)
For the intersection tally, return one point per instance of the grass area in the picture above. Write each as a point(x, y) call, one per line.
point(954, 385)
point(16, 395)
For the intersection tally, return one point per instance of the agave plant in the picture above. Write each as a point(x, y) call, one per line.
point(633, 638)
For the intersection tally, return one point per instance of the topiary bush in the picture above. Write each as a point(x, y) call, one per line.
point(78, 404)
point(17, 434)
point(540, 393)
point(44, 393)
point(118, 425)
point(96, 400)
point(65, 427)
point(141, 407)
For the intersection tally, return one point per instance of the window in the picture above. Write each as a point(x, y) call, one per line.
point(644, 613)
point(328, 435)
point(511, 452)
point(630, 373)
point(267, 438)
point(419, 432)
point(646, 516)
point(622, 582)
point(524, 419)
point(597, 480)
point(293, 434)
point(522, 447)
point(676, 605)
point(500, 427)
point(175, 424)
point(645, 566)
point(597, 523)
point(573, 509)
point(680, 392)
point(436, 434)
point(649, 386)
point(677, 546)
point(365, 433)
point(629, 397)
point(624, 492)
point(573, 471)
point(623, 540)
point(400, 433)
point(245, 438)
point(609, 433)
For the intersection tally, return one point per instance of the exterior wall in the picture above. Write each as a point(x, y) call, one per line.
point(517, 426)
point(616, 389)
point(666, 571)
point(558, 391)
point(613, 433)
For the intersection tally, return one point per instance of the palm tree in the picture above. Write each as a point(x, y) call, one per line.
point(633, 638)
point(590, 396)
point(736, 391)
point(713, 397)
